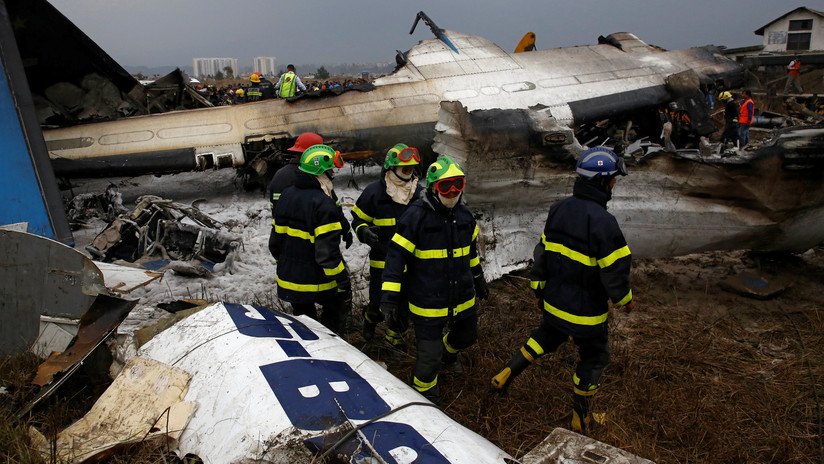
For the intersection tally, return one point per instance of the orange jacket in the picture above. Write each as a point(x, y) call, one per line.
point(793, 69)
point(745, 113)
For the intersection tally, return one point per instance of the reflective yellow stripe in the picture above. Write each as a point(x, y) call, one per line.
point(568, 252)
point(333, 272)
point(361, 214)
point(294, 232)
point(422, 386)
point(439, 312)
point(448, 347)
point(537, 284)
point(306, 287)
point(362, 224)
point(527, 355)
point(614, 256)
point(402, 241)
point(580, 392)
point(276, 196)
point(385, 222)
point(474, 261)
point(538, 349)
point(273, 223)
point(442, 253)
point(580, 320)
point(625, 299)
point(575, 379)
point(391, 286)
point(475, 232)
point(320, 230)
point(377, 264)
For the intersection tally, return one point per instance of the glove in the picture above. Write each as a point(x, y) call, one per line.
point(347, 239)
point(481, 289)
point(388, 310)
point(368, 236)
point(344, 289)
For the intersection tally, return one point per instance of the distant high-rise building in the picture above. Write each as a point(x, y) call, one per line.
point(202, 67)
point(264, 65)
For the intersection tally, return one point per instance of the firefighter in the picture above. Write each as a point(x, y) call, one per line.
point(730, 133)
point(308, 229)
point(581, 262)
point(254, 92)
point(374, 219)
point(436, 243)
point(287, 175)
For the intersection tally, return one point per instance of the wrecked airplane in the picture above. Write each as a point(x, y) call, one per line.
point(517, 120)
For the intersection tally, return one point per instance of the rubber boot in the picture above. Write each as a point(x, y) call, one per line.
point(368, 328)
point(451, 363)
point(581, 415)
point(520, 361)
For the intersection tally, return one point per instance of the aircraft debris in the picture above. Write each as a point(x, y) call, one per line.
point(566, 447)
point(171, 230)
point(755, 285)
point(123, 279)
point(144, 403)
point(107, 206)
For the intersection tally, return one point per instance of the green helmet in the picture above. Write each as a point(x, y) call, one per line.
point(320, 158)
point(442, 168)
point(402, 155)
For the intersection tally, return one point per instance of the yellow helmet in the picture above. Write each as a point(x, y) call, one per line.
point(255, 77)
point(725, 96)
point(240, 92)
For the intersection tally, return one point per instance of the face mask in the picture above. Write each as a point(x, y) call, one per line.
point(449, 202)
point(399, 190)
point(325, 184)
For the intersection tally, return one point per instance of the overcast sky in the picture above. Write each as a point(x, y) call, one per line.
point(172, 32)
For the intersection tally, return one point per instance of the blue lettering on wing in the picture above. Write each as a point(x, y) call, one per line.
point(318, 394)
point(398, 443)
point(270, 327)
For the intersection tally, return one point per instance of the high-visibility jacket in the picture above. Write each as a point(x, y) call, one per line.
point(375, 208)
point(581, 262)
point(308, 228)
point(288, 85)
point(438, 248)
point(745, 113)
point(253, 93)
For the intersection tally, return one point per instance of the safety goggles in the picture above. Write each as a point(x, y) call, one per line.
point(408, 154)
point(445, 186)
point(338, 160)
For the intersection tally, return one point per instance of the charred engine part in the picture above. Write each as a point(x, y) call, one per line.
point(107, 206)
point(156, 227)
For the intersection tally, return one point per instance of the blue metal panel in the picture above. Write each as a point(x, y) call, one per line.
point(20, 197)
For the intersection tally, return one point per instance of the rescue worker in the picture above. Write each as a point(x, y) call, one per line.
point(581, 262)
point(267, 88)
point(374, 219)
point(307, 223)
point(793, 73)
point(746, 113)
point(730, 133)
point(288, 174)
point(289, 83)
point(436, 243)
point(240, 95)
point(253, 92)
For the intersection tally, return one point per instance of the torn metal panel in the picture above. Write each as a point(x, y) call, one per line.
point(41, 276)
point(270, 387)
point(565, 447)
point(144, 403)
point(122, 279)
point(100, 321)
point(56, 334)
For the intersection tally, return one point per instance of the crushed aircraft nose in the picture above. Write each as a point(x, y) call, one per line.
point(156, 227)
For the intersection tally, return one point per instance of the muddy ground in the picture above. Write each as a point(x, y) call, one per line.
point(697, 374)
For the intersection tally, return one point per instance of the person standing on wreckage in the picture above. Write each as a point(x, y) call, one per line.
point(581, 262)
point(307, 234)
point(433, 260)
point(374, 219)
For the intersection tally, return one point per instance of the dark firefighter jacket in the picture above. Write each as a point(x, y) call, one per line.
point(582, 261)
point(438, 247)
point(376, 209)
point(307, 227)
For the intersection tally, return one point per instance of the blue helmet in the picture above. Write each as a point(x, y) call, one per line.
point(600, 162)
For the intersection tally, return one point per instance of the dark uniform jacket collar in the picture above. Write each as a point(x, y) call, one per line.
point(590, 191)
point(429, 199)
point(307, 181)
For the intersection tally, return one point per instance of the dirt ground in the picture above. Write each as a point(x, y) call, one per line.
point(697, 374)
